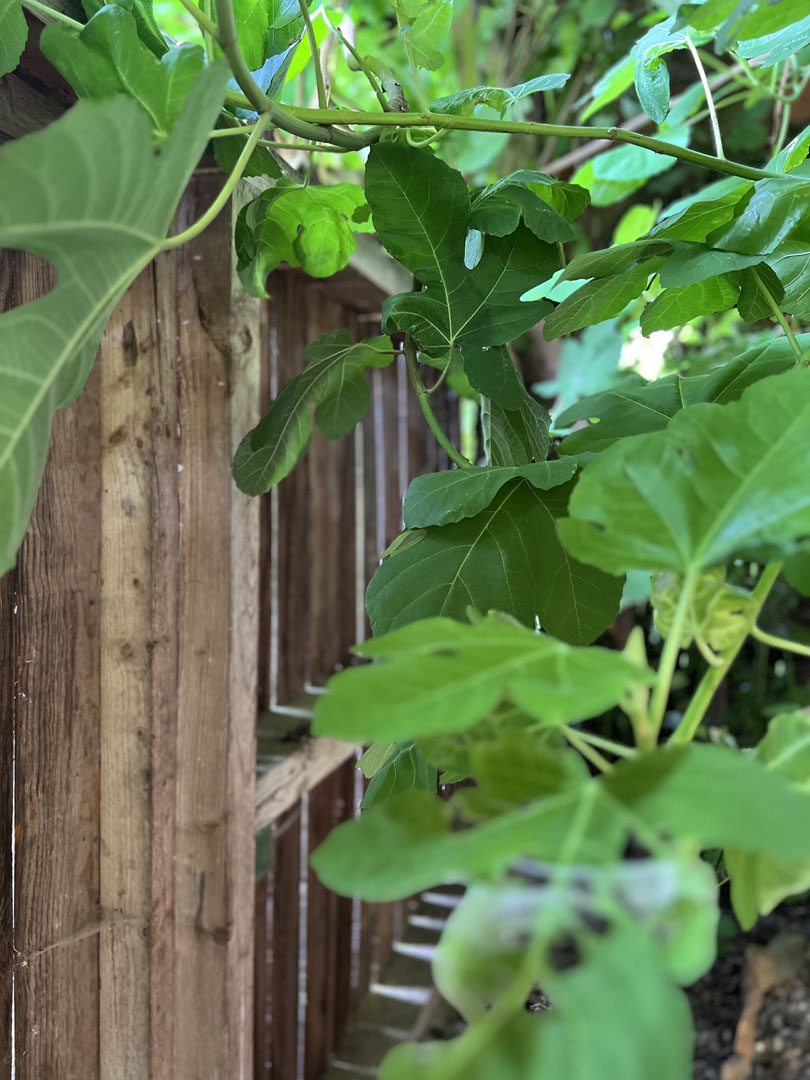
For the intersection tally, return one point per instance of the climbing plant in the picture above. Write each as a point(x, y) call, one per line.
point(486, 609)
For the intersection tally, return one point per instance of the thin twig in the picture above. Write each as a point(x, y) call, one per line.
point(718, 142)
point(316, 54)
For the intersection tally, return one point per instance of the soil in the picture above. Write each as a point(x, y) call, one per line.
point(782, 1040)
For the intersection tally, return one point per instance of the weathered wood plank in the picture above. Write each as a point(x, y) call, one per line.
point(216, 689)
point(321, 937)
point(126, 653)
point(286, 914)
point(281, 788)
point(54, 631)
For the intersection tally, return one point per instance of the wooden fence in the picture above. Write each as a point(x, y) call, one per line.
point(154, 614)
point(158, 920)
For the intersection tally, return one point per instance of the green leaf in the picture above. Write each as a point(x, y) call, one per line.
point(440, 676)
point(312, 227)
point(13, 34)
point(599, 299)
point(720, 482)
point(611, 85)
point(407, 843)
point(334, 382)
point(696, 221)
point(107, 57)
point(752, 304)
point(718, 614)
point(98, 237)
point(651, 75)
point(635, 407)
point(500, 207)
point(423, 26)
point(618, 172)
point(775, 210)
point(489, 934)
point(445, 497)
point(614, 260)
point(758, 881)
point(797, 571)
point(421, 210)
point(515, 437)
point(485, 561)
point(377, 756)
point(691, 263)
point(252, 19)
point(778, 46)
point(715, 797)
point(499, 98)
point(674, 307)
point(596, 967)
point(142, 12)
point(492, 373)
point(406, 770)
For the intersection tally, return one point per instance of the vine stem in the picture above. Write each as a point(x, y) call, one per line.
point(202, 18)
point(227, 189)
point(779, 315)
point(528, 127)
point(316, 54)
point(669, 655)
point(779, 642)
point(424, 404)
point(718, 142)
point(685, 731)
point(51, 14)
point(361, 65)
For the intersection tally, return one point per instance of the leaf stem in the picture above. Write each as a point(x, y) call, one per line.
point(424, 404)
point(685, 731)
point(779, 642)
point(316, 54)
point(669, 655)
point(589, 752)
point(361, 65)
point(779, 315)
point(49, 14)
point(202, 18)
point(227, 189)
point(444, 372)
point(610, 745)
point(718, 142)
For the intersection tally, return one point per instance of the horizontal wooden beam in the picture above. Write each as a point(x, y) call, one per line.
point(282, 787)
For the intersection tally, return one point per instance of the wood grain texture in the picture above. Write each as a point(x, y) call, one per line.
point(284, 935)
point(49, 626)
point(130, 626)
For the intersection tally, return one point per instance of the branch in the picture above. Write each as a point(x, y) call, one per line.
point(779, 315)
point(707, 90)
point(316, 54)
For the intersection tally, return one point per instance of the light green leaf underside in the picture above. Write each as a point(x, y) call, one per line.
point(98, 236)
point(720, 482)
point(441, 676)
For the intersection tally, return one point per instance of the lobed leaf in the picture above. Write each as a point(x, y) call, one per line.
point(334, 382)
point(507, 557)
point(720, 482)
point(440, 676)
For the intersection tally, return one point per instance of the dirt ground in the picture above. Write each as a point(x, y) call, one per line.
point(782, 1033)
